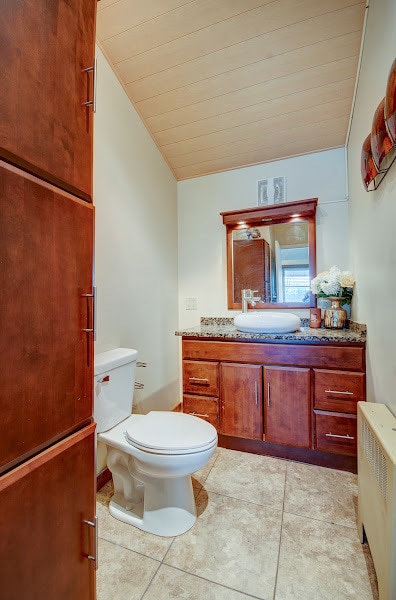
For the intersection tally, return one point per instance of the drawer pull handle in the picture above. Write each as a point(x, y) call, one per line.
point(203, 380)
point(336, 392)
point(194, 414)
point(94, 525)
point(344, 437)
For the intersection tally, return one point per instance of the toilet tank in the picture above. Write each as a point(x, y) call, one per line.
point(114, 382)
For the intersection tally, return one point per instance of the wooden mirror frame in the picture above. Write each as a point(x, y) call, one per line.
point(289, 212)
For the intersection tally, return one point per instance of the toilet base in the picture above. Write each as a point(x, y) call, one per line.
point(167, 507)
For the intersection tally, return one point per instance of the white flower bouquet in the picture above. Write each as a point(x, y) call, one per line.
point(334, 284)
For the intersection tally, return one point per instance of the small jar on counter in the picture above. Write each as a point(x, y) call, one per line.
point(315, 317)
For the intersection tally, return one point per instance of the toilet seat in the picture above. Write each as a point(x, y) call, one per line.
point(171, 433)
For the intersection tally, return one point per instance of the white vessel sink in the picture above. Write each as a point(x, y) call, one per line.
point(267, 322)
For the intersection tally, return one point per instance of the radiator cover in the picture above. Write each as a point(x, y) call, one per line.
point(377, 491)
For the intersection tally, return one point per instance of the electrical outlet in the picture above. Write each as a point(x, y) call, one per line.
point(190, 304)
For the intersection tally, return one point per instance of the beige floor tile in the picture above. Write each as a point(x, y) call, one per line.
point(233, 543)
point(321, 493)
point(258, 479)
point(171, 583)
point(319, 560)
point(122, 573)
point(128, 536)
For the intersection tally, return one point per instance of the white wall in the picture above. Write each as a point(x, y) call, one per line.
point(136, 244)
point(373, 214)
point(202, 248)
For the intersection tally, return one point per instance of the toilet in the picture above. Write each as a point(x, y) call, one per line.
point(151, 457)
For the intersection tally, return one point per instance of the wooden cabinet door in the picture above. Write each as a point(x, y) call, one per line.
point(45, 127)
point(241, 401)
point(46, 240)
point(287, 406)
point(44, 540)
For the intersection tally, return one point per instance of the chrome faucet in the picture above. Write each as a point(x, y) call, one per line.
point(248, 297)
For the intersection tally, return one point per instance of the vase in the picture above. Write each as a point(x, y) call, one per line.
point(335, 317)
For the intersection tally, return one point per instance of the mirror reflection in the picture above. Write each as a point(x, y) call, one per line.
point(273, 260)
point(271, 250)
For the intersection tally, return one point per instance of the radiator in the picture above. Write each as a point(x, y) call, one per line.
point(377, 491)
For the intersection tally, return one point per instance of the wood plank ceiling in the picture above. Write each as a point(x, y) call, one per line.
point(223, 84)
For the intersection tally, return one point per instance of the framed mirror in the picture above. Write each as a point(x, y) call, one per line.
point(272, 250)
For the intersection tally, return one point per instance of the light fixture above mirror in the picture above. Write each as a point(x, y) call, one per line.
point(272, 250)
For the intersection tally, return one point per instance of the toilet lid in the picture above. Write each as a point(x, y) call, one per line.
point(171, 433)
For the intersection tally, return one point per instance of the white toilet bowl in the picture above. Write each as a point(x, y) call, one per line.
point(151, 458)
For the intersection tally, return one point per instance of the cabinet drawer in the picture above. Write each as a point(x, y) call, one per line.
point(335, 432)
point(201, 377)
point(338, 391)
point(199, 406)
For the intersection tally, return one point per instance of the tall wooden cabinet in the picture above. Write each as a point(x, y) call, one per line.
point(47, 85)
point(47, 445)
point(251, 259)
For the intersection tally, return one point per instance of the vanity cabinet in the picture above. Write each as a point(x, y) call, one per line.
point(335, 398)
point(241, 401)
point(287, 406)
point(201, 390)
point(294, 400)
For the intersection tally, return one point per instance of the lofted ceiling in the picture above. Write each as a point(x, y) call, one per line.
point(223, 84)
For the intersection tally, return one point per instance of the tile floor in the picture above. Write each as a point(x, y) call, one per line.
point(267, 528)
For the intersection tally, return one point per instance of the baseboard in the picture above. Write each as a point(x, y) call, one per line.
point(102, 478)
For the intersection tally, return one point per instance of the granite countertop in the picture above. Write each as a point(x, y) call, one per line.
point(224, 328)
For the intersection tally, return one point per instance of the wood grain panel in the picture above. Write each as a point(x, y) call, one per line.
point(45, 127)
point(200, 377)
point(256, 94)
point(287, 407)
point(349, 357)
point(241, 401)
point(115, 16)
point(126, 42)
point(336, 432)
point(207, 74)
point(281, 65)
point(338, 391)
point(234, 30)
point(44, 541)
point(206, 408)
point(46, 240)
point(262, 110)
point(332, 139)
point(305, 131)
point(274, 43)
point(255, 131)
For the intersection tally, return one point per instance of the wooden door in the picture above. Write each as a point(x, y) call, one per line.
point(241, 401)
point(46, 240)
point(44, 540)
point(45, 127)
point(287, 406)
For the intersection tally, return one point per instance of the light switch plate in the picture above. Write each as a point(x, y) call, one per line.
point(190, 304)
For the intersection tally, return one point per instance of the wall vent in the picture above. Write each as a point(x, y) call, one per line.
point(271, 191)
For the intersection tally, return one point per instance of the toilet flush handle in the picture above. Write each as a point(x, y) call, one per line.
point(104, 378)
